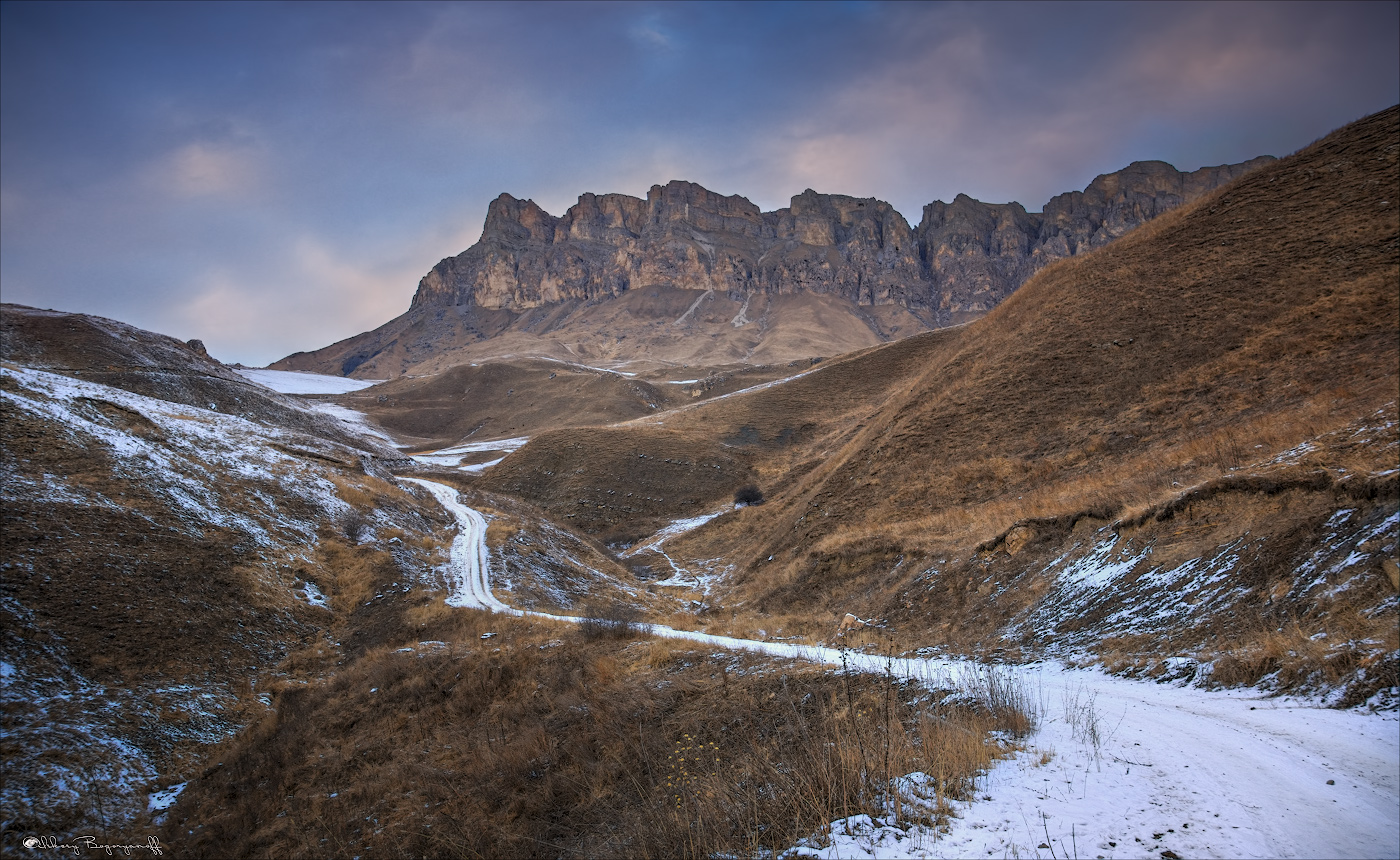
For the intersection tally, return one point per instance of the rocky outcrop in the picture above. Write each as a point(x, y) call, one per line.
point(827, 273)
point(961, 260)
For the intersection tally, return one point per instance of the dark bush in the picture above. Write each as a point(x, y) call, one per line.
point(749, 494)
point(354, 524)
point(611, 622)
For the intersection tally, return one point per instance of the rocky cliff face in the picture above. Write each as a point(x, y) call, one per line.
point(960, 261)
point(826, 274)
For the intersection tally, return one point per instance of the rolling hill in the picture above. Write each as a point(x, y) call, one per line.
point(179, 545)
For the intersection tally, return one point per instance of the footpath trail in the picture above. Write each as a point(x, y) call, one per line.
point(1118, 768)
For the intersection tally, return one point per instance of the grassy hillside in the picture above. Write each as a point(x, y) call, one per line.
point(503, 399)
point(165, 560)
point(624, 481)
point(154, 365)
point(1225, 376)
point(1261, 315)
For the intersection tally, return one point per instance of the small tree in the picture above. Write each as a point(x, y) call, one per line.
point(749, 494)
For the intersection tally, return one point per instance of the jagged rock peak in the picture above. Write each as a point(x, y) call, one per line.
point(512, 220)
point(962, 258)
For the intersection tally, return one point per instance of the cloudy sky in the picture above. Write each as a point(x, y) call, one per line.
point(274, 177)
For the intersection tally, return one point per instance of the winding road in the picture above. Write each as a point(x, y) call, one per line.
point(1117, 768)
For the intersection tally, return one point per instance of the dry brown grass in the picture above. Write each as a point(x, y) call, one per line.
point(620, 486)
point(540, 740)
point(121, 603)
point(1187, 355)
point(504, 399)
point(1338, 645)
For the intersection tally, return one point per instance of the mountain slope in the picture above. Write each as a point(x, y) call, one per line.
point(827, 274)
point(180, 544)
point(1207, 405)
point(1172, 334)
point(176, 542)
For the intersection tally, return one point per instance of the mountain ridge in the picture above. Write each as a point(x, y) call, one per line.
point(532, 274)
point(880, 258)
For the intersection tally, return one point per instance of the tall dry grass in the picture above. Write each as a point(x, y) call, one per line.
point(540, 739)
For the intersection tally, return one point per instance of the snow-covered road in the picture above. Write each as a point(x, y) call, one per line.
point(1179, 769)
point(468, 569)
point(1119, 768)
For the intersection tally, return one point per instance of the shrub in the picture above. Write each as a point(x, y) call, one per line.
point(749, 494)
point(354, 524)
point(616, 621)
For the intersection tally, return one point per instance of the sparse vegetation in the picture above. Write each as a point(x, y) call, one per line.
point(1134, 396)
point(1114, 463)
point(614, 621)
point(579, 745)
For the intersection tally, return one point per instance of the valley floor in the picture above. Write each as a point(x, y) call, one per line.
point(1119, 767)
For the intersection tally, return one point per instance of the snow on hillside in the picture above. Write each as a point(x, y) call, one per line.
point(586, 366)
point(300, 382)
point(206, 471)
point(190, 463)
point(354, 420)
point(680, 576)
point(452, 457)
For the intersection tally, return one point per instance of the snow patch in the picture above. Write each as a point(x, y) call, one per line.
point(357, 422)
point(298, 382)
point(315, 596)
point(452, 457)
point(162, 800)
point(679, 577)
point(478, 468)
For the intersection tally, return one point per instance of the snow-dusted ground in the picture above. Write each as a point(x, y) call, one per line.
point(1118, 768)
point(355, 420)
point(679, 575)
point(298, 382)
point(1136, 768)
point(468, 569)
point(582, 366)
point(207, 469)
point(656, 419)
point(195, 456)
point(452, 457)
